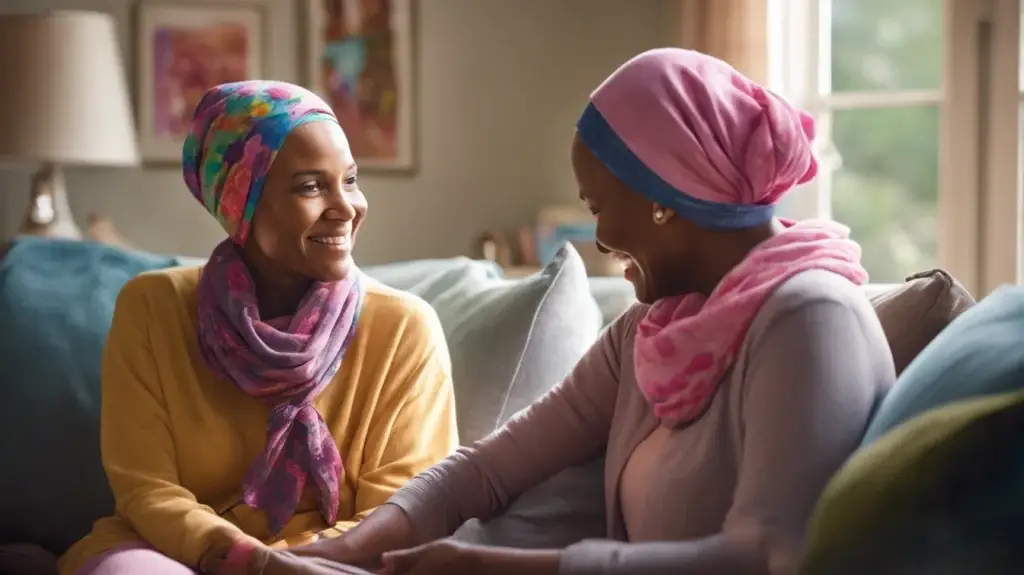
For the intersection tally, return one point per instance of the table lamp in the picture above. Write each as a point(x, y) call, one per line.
point(64, 102)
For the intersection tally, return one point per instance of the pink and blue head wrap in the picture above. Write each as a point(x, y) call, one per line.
point(236, 131)
point(690, 133)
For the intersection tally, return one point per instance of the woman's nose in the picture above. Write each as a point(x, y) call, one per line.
point(340, 206)
point(601, 248)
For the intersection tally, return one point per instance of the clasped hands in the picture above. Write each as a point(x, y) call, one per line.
point(442, 557)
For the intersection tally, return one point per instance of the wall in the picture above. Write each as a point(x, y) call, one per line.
point(500, 83)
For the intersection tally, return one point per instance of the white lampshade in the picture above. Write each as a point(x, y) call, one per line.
point(64, 98)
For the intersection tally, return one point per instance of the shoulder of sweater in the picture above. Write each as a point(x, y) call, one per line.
point(814, 287)
point(395, 310)
point(175, 286)
point(804, 298)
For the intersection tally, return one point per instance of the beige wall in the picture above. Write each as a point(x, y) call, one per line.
point(500, 84)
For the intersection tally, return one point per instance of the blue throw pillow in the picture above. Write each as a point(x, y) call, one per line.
point(978, 354)
point(56, 302)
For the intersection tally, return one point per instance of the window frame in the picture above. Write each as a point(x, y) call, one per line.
point(979, 169)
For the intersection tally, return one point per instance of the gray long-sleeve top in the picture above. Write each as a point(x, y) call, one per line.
point(732, 491)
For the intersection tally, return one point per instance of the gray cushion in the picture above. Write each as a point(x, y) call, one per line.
point(510, 340)
point(614, 295)
point(405, 275)
point(561, 511)
point(913, 313)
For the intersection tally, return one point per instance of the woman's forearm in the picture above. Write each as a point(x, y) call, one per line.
point(709, 556)
point(504, 561)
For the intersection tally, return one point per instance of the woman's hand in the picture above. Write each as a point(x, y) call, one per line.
point(386, 529)
point(445, 556)
point(451, 557)
point(284, 563)
point(262, 560)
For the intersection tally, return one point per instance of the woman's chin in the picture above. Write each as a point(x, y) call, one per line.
point(639, 289)
point(334, 271)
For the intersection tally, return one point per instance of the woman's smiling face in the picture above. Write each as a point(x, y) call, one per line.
point(653, 253)
point(311, 207)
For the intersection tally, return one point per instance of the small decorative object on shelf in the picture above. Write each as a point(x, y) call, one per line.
point(527, 246)
point(491, 246)
point(536, 245)
point(558, 225)
point(360, 56)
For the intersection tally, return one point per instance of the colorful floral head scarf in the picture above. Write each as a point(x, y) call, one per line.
point(236, 131)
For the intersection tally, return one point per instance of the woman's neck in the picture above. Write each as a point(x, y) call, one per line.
point(277, 298)
point(279, 291)
point(731, 249)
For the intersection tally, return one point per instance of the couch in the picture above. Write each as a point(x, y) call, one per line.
point(510, 341)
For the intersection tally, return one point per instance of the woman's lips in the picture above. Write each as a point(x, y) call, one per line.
point(334, 242)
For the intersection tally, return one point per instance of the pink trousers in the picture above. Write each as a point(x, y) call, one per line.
point(132, 559)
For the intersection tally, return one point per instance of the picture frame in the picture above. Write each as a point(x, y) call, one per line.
point(360, 59)
point(185, 48)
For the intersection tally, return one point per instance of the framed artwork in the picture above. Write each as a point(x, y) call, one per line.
point(360, 59)
point(183, 50)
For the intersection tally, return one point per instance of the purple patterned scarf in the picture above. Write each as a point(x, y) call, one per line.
point(286, 362)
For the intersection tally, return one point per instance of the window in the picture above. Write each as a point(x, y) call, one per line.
point(908, 104)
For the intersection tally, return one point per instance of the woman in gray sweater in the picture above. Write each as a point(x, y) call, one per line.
point(725, 399)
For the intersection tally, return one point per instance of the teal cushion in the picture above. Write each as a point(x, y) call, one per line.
point(978, 354)
point(52, 486)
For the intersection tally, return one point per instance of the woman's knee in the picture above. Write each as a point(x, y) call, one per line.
point(137, 560)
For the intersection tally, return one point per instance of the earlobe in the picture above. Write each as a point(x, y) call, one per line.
point(662, 215)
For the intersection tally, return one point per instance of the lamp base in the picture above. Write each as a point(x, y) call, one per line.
point(48, 213)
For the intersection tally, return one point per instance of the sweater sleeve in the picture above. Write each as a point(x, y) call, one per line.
point(567, 426)
point(138, 451)
point(811, 383)
point(413, 425)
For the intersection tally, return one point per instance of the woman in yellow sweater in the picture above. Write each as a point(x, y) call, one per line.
point(276, 395)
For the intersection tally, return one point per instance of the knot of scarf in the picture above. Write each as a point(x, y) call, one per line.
point(286, 363)
point(236, 132)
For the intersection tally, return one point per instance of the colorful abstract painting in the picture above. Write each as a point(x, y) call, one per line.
point(360, 61)
point(185, 50)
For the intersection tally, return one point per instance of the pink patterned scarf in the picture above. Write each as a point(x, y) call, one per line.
point(236, 132)
point(685, 344)
point(690, 133)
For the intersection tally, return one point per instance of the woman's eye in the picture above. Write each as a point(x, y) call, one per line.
point(350, 181)
point(310, 188)
point(590, 206)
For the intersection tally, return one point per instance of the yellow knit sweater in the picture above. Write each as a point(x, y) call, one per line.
point(176, 440)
